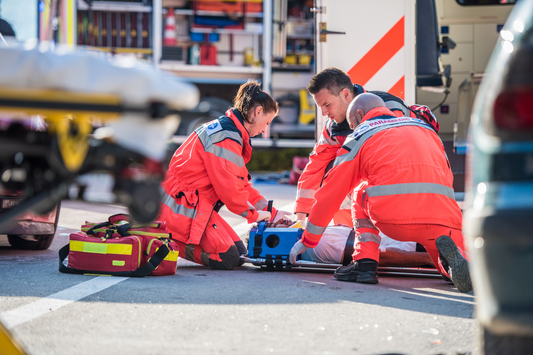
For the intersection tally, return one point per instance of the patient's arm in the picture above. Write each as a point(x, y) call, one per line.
point(397, 257)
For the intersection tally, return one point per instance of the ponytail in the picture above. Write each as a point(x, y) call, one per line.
point(250, 96)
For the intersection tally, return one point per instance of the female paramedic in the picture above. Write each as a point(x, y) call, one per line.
point(209, 171)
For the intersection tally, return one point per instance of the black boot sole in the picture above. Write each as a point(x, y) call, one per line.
point(458, 265)
point(366, 277)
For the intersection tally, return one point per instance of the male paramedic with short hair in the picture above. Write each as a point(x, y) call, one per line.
point(409, 195)
point(332, 90)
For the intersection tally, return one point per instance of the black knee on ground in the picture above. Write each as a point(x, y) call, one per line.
point(230, 259)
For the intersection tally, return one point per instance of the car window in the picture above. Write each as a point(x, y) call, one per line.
point(521, 63)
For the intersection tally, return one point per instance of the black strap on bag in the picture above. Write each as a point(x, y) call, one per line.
point(261, 226)
point(258, 239)
point(144, 270)
point(122, 229)
point(98, 226)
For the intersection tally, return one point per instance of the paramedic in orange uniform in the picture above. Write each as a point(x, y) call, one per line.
point(409, 196)
point(332, 90)
point(209, 171)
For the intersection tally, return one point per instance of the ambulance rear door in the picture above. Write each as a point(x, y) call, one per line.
point(371, 40)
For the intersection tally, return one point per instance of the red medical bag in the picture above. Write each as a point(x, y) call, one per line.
point(120, 248)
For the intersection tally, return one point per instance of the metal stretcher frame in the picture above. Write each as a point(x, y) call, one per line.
point(315, 266)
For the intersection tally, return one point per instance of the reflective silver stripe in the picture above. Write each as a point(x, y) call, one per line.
point(411, 188)
point(355, 144)
point(305, 193)
point(311, 228)
point(323, 139)
point(261, 204)
point(364, 223)
point(347, 203)
point(245, 213)
point(226, 154)
point(368, 237)
point(208, 140)
point(176, 208)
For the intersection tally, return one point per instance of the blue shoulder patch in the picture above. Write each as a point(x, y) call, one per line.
point(213, 127)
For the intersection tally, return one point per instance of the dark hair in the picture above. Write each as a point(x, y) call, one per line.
point(250, 96)
point(332, 79)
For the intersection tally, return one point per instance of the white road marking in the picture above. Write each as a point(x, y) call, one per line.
point(242, 229)
point(434, 296)
point(33, 310)
point(57, 300)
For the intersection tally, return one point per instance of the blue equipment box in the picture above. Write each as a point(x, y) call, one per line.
point(272, 243)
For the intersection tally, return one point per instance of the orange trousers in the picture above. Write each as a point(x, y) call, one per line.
point(220, 247)
point(367, 235)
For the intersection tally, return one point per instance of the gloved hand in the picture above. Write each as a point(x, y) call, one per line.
point(296, 250)
point(301, 216)
point(282, 215)
point(263, 216)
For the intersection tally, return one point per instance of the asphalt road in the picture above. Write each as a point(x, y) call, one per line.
point(203, 311)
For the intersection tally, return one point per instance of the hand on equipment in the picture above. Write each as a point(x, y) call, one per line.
point(296, 250)
point(282, 215)
point(263, 216)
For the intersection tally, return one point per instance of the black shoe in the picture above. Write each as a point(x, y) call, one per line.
point(457, 265)
point(364, 271)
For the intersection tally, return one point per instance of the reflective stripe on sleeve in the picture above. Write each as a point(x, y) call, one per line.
point(368, 237)
point(226, 154)
point(311, 228)
point(410, 188)
point(261, 204)
point(305, 193)
point(170, 202)
point(326, 140)
point(245, 213)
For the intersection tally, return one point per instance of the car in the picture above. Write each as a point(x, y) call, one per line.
point(498, 208)
point(29, 231)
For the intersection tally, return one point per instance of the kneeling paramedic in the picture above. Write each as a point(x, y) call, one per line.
point(409, 195)
point(209, 171)
point(333, 91)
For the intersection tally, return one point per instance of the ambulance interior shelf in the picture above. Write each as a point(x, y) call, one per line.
point(198, 26)
point(115, 26)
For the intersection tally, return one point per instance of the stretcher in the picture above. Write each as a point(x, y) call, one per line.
point(269, 248)
point(100, 116)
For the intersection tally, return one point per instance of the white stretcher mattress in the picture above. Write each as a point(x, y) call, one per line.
point(137, 85)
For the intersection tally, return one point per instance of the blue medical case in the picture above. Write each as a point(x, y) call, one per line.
point(272, 244)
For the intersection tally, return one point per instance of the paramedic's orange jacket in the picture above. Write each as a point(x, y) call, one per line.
point(209, 167)
point(326, 149)
point(408, 174)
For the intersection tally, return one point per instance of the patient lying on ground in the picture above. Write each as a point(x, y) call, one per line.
point(337, 246)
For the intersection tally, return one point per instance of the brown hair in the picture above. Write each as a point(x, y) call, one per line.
point(332, 79)
point(250, 96)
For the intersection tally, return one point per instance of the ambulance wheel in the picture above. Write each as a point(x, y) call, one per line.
point(144, 205)
point(196, 123)
point(496, 344)
point(31, 242)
